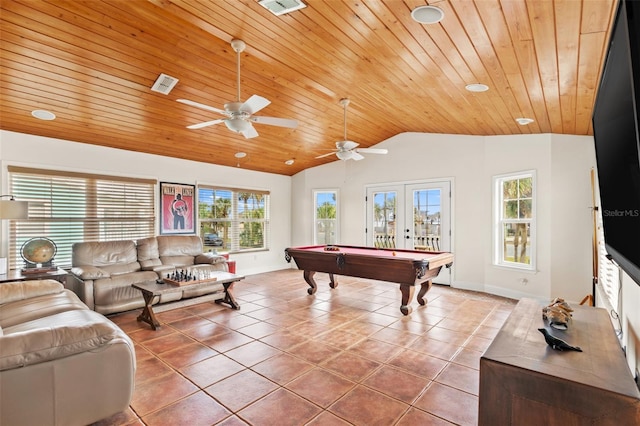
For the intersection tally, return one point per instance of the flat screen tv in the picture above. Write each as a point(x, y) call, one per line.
point(616, 136)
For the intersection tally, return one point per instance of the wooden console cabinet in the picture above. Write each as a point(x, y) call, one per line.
point(525, 382)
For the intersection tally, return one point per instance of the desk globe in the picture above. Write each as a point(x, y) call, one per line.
point(38, 252)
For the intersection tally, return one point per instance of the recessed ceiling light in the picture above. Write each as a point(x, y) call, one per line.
point(427, 14)
point(524, 121)
point(240, 154)
point(43, 114)
point(289, 162)
point(477, 87)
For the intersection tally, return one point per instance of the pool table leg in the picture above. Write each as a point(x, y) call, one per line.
point(407, 295)
point(424, 288)
point(333, 282)
point(308, 277)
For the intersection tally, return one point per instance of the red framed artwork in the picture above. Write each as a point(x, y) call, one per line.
point(177, 208)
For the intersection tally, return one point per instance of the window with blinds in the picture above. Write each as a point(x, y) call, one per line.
point(608, 272)
point(233, 219)
point(69, 207)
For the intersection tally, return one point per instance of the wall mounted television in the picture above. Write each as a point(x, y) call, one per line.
point(616, 123)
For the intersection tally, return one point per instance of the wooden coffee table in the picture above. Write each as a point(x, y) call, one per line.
point(150, 289)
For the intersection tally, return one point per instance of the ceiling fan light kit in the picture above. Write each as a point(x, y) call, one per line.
point(346, 149)
point(240, 114)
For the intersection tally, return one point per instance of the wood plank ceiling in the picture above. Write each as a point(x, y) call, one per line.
point(93, 63)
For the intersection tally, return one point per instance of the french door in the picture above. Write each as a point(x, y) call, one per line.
point(414, 216)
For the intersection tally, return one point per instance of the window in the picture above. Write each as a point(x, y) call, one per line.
point(233, 219)
point(515, 220)
point(69, 207)
point(326, 217)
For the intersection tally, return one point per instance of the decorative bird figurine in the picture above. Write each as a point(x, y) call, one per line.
point(556, 343)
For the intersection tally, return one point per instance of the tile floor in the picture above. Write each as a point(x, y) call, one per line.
point(345, 356)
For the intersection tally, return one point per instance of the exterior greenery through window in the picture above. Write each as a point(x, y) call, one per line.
point(69, 207)
point(515, 211)
point(326, 217)
point(384, 213)
point(233, 219)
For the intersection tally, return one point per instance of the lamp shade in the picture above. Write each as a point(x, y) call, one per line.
point(11, 209)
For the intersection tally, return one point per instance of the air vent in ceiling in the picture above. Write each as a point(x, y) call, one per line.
point(280, 7)
point(164, 84)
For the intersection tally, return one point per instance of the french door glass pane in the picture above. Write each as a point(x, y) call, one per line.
point(326, 217)
point(427, 219)
point(384, 219)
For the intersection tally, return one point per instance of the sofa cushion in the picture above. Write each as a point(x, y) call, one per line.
point(19, 290)
point(89, 272)
point(122, 268)
point(117, 289)
point(148, 254)
point(33, 308)
point(209, 258)
point(179, 245)
point(105, 253)
point(57, 336)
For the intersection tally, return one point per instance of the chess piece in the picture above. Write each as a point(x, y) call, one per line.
point(556, 343)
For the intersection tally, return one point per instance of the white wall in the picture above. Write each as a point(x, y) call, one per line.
point(562, 165)
point(35, 151)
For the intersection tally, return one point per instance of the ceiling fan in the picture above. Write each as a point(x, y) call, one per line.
point(240, 115)
point(348, 150)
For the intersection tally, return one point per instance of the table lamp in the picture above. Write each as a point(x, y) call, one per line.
point(11, 209)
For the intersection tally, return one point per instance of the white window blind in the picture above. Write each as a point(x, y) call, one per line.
point(69, 207)
point(608, 272)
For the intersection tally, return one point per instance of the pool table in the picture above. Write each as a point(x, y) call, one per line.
point(405, 267)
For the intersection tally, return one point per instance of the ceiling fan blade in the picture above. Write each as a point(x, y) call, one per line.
point(372, 150)
point(326, 155)
point(203, 106)
point(355, 156)
point(254, 104)
point(205, 124)
point(348, 145)
point(274, 121)
point(250, 132)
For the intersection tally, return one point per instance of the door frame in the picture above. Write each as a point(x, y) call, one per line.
point(388, 185)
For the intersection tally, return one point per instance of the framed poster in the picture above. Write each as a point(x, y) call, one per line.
point(177, 208)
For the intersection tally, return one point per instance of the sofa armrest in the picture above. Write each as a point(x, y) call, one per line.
point(45, 344)
point(82, 288)
point(20, 290)
point(208, 258)
point(89, 272)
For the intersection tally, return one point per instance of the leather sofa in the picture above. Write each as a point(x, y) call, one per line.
point(102, 272)
point(60, 362)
